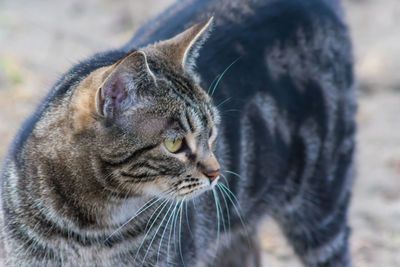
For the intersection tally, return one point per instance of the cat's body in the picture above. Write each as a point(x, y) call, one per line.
point(285, 145)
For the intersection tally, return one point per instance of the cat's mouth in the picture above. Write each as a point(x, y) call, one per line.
point(194, 190)
point(187, 189)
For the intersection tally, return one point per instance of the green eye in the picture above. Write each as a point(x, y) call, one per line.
point(173, 145)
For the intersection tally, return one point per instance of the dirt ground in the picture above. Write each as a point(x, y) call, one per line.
point(39, 40)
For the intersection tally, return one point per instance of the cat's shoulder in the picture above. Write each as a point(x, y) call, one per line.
point(64, 84)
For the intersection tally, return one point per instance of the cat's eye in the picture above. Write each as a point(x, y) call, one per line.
point(173, 145)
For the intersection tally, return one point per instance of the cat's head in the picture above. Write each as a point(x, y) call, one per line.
point(154, 128)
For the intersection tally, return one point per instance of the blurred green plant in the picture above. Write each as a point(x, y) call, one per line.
point(9, 73)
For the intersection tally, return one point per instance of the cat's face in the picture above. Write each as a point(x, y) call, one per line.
point(169, 142)
point(156, 127)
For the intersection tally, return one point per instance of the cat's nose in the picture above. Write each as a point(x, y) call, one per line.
point(211, 168)
point(212, 174)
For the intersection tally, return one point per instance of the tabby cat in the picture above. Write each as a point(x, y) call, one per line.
point(143, 157)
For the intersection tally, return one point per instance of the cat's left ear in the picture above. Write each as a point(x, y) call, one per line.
point(118, 91)
point(182, 50)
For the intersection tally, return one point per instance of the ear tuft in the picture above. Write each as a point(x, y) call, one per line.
point(183, 49)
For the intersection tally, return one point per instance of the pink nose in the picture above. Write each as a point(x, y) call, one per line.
point(211, 168)
point(212, 174)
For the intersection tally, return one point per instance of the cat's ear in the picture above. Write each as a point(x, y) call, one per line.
point(118, 91)
point(182, 50)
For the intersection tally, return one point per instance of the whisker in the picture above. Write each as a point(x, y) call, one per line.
point(194, 203)
point(234, 173)
point(165, 228)
point(180, 232)
point(226, 100)
point(218, 220)
point(209, 88)
point(224, 111)
point(154, 212)
point(170, 231)
point(151, 226)
point(187, 218)
point(158, 228)
point(224, 177)
point(226, 207)
point(175, 222)
point(222, 75)
point(140, 211)
point(220, 209)
point(229, 193)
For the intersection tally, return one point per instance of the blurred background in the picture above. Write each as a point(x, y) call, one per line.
point(41, 39)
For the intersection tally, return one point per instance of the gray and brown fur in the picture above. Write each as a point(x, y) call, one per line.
point(280, 124)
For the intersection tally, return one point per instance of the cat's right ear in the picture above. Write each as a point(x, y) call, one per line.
point(183, 49)
point(118, 91)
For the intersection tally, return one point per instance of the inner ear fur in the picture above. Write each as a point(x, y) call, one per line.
point(120, 85)
point(182, 49)
point(104, 92)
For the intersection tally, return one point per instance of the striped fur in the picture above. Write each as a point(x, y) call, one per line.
point(88, 182)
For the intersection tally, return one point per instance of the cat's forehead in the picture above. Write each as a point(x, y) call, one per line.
point(177, 110)
point(191, 116)
point(177, 94)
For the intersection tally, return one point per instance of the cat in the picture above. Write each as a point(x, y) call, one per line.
point(172, 149)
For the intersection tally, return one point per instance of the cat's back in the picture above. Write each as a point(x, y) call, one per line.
point(268, 39)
